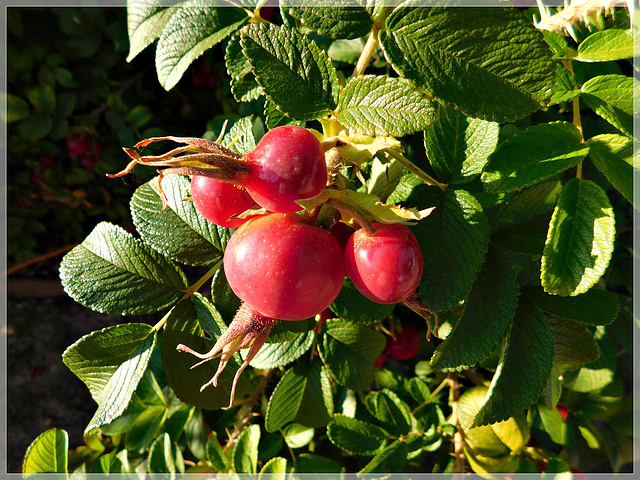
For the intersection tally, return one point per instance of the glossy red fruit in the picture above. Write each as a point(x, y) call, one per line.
point(283, 268)
point(219, 201)
point(382, 359)
point(386, 266)
point(77, 145)
point(286, 165)
point(405, 345)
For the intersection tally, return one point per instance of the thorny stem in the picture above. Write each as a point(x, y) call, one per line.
point(413, 168)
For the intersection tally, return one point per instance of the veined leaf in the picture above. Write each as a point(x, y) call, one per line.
point(580, 239)
point(111, 362)
point(179, 231)
point(47, 453)
point(565, 87)
point(334, 21)
point(245, 452)
point(613, 156)
point(113, 272)
point(507, 59)
point(454, 239)
point(599, 373)
point(294, 73)
point(612, 97)
point(593, 307)
point(192, 29)
point(390, 460)
point(303, 392)
point(532, 155)
point(458, 146)
point(377, 105)
point(243, 84)
point(349, 351)
point(574, 345)
point(279, 354)
point(145, 21)
point(274, 469)
point(606, 45)
point(524, 367)
point(485, 319)
point(355, 436)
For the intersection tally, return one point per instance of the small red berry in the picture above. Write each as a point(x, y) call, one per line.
point(77, 145)
point(406, 344)
point(563, 411)
point(88, 161)
point(47, 161)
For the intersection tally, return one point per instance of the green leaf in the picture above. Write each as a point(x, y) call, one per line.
point(304, 392)
point(43, 98)
point(186, 324)
point(612, 97)
point(145, 21)
point(279, 354)
point(47, 453)
point(113, 272)
point(485, 319)
point(216, 455)
point(574, 345)
point(599, 373)
point(111, 362)
point(580, 239)
point(527, 204)
point(35, 127)
point(191, 30)
point(458, 146)
point(346, 51)
point(524, 367)
point(245, 452)
point(565, 88)
point(274, 469)
point(378, 105)
point(294, 73)
point(179, 231)
point(164, 456)
point(532, 155)
point(241, 137)
point(491, 440)
point(454, 239)
point(613, 156)
point(243, 84)
point(390, 460)
point(312, 463)
point(350, 350)
point(334, 21)
point(606, 45)
point(507, 59)
point(355, 436)
point(352, 306)
point(393, 413)
point(297, 436)
point(593, 307)
point(17, 109)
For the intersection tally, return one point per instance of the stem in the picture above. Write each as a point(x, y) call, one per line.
point(367, 52)
point(413, 168)
point(577, 121)
point(357, 215)
point(458, 439)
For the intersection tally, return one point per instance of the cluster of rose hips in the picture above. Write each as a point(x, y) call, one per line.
point(278, 262)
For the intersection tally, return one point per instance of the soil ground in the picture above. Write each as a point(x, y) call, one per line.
point(42, 392)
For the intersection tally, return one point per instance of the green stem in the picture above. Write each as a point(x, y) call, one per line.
point(189, 292)
point(413, 168)
point(577, 121)
point(367, 52)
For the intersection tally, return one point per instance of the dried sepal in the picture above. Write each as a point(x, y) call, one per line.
point(249, 329)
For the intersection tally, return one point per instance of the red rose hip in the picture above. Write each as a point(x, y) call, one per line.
point(385, 266)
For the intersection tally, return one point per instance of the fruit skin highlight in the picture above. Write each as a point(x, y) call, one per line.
point(286, 165)
point(385, 266)
point(284, 268)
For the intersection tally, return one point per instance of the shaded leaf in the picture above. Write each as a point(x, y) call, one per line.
point(594, 307)
point(355, 436)
point(612, 97)
point(614, 156)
